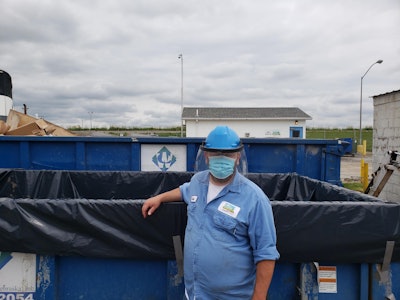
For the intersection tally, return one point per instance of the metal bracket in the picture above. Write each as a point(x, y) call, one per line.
point(384, 270)
point(179, 258)
point(389, 168)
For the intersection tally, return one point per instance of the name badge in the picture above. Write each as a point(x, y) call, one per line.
point(229, 209)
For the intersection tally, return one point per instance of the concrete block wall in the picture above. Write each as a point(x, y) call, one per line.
point(386, 137)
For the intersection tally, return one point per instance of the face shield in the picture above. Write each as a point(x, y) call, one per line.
point(201, 163)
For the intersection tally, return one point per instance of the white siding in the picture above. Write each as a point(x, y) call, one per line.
point(246, 128)
point(386, 136)
point(6, 104)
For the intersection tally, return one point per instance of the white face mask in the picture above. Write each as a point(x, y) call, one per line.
point(221, 166)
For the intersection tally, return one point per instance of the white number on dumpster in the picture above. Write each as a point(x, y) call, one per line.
point(16, 296)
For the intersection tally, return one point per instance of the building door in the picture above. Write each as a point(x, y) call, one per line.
point(296, 132)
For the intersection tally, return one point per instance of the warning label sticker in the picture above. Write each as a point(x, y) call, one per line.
point(327, 279)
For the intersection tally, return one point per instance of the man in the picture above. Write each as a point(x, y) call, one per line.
point(230, 240)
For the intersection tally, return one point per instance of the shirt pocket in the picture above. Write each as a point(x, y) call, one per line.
point(225, 228)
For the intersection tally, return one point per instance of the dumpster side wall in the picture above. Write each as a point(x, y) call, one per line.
point(318, 159)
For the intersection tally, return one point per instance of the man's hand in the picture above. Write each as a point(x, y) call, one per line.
point(153, 203)
point(150, 206)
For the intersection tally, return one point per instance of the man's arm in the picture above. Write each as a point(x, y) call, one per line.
point(153, 203)
point(264, 272)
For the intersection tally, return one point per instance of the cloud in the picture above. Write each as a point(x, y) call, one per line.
point(117, 61)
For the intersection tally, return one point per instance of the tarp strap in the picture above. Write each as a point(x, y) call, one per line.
point(387, 258)
point(179, 258)
point(384, 270)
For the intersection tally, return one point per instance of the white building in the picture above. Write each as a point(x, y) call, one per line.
point(386, 137)
point(258, 122)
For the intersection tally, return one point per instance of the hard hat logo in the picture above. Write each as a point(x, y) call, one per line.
point(222, 138)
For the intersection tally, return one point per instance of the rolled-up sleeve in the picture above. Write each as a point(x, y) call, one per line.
point(262, 232)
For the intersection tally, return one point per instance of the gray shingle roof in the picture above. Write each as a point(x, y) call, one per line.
point(212, 113)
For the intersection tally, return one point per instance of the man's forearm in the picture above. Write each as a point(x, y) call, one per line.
point(265, 270)
point(171, 196)
point(152, 204)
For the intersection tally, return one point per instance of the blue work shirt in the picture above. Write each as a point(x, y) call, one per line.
point(226, 238)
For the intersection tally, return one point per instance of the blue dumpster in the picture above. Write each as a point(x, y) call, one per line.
point(347, 145)
point(318, 159)
point(80, 235)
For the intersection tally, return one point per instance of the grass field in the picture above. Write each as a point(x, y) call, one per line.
point(312, 133)
point(321, 133)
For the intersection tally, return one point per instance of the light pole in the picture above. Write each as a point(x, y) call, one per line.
point(181, 58)
point(362, 77)
point(90, 117)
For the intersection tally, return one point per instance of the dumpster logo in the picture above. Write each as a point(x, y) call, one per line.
point(164, 159)
point(5, 257)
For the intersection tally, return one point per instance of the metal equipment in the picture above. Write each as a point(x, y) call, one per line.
point(383, 174)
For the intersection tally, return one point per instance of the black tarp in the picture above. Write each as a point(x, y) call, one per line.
point(98, 214)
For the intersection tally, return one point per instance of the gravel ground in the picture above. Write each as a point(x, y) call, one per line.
point(350, 167)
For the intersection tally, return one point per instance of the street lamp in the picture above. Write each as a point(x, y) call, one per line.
point(90, 117)
point(181, 58)
point(362, 77)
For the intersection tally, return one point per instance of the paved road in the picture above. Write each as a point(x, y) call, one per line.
point(350, 167)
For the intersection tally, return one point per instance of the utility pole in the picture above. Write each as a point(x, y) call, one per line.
point(181, 58)
point(362, 77)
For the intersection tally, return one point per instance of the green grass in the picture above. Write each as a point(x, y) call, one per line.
point(354, 186)
point(321, 133)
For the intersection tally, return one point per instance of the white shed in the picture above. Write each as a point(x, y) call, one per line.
point(258, 122)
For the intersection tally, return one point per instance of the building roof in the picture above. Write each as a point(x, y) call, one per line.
point(388, 93)
point(244, 113)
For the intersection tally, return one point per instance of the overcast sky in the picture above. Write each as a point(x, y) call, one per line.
point(117, 61)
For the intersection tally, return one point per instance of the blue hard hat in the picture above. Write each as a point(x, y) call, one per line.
point(222, 138)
